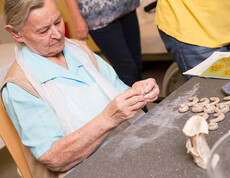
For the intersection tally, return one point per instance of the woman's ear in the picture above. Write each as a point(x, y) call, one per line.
point(14, 33)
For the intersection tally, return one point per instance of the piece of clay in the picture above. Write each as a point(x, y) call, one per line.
point(213, 125)
point(204, 101)
point(194, 129)
point(193, 100)
point(209, 108)
point(183, 107)
point(222, 108)
point(219, 117)
point(204, 115)
point(214, 100)
point(198, 107)
point(227, 98)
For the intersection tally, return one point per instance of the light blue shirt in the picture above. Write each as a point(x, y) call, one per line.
point(33, 119)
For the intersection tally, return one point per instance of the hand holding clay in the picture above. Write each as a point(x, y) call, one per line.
point(124, 106)
point(148, 88)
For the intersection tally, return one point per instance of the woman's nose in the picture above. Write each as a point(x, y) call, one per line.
point(55, 33)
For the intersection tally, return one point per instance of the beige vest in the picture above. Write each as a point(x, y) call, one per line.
point(17, 76)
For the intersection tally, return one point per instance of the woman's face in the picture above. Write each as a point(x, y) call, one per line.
point(43, 31)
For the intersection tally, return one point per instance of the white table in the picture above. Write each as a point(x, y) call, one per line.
point(7, 57)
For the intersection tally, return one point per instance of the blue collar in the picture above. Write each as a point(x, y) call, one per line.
point(46, 70)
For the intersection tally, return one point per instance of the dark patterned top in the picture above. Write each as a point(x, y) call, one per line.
point(99, 13)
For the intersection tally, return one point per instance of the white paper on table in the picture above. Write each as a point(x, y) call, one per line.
point(200, 68)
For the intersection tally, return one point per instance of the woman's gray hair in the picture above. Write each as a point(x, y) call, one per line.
point(17, 11)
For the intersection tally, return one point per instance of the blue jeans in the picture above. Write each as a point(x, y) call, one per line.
point(186, 55)
point(119, 41)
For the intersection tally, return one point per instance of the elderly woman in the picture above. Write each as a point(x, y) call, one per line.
point(63, 100)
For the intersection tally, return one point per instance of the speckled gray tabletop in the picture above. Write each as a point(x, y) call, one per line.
point(154, 146)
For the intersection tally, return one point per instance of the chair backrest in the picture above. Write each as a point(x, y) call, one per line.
point(13, 142)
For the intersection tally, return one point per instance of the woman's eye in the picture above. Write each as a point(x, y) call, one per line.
point(58, 22)
point(44, 31)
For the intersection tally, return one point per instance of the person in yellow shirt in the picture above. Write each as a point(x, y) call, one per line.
point(192, 30)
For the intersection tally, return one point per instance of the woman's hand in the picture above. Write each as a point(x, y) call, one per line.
point(124, 106)
point(79, 25)
point(148, 88)
point(80, 28)
point(127, 104)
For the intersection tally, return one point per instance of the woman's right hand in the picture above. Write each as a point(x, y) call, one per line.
point(80, 28)
point(124, 106)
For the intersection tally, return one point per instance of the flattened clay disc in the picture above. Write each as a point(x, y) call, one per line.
point(226, 89)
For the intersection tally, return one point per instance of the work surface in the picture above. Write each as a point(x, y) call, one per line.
point(154, 146)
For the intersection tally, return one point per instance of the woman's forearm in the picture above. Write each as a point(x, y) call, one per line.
point(74, 148)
